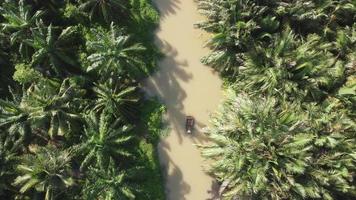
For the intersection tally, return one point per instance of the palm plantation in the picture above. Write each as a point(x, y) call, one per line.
point(75, 124)
point(286, 129)
point(70, 102)
point(259, 142)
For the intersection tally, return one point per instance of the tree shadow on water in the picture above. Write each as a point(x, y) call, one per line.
point(167, 7)
point(165, 84)
point(214, 191)
point(171, 170)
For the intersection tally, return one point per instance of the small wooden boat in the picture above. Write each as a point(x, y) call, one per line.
point(189, 124)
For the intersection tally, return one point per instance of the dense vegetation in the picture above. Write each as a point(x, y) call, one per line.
point(73, 120)
point(287, 128)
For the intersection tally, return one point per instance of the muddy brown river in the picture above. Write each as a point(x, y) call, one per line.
point(186, 87)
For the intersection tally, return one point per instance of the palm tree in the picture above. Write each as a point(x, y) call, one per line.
point(46, 171)
point(114, 53)
point(333, 162)
point(224, 58)
point(104, 140)
point(235, 26)
point(14, 118)
point(109, 184)
point(108, 10)
point(8, 160)
point(53, 50)
point(116, 101)
point(19, 21)
point(51, 6)
point(52, 106)
point(45, 106)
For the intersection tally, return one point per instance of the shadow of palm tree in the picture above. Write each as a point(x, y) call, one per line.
point(175, 175)
point(167, 88)
point(214, 191)
point(167, 7)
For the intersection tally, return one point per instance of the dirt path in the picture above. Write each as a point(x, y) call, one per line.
point(186, 87)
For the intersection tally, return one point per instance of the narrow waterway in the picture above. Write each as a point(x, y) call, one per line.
point(187, 88)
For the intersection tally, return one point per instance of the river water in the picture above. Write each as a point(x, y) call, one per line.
point(187, 87)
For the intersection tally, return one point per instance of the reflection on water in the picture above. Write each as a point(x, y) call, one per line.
point(187, 88)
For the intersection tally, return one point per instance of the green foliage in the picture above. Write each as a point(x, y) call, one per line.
point(48, 105)
point(47, 171)
point(25, 74)
point(52, 50)
point(104, 141)
point(151, 176)
point(152, 115)
point(110, 184)
point(263, 149)
point(152, 126)
point(290, 131)
point(114, 53)
point(8, 153)
point(144, 14)
point(119, 102)
point(296, 71)
point(6, 69)
point(19, 21)
point(238, 27)
point(108, 10)
point(46, 95)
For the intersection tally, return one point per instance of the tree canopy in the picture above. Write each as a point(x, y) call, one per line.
point(287, 127)
point(71, 110)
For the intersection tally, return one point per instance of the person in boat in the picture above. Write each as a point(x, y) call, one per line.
point(189, 124)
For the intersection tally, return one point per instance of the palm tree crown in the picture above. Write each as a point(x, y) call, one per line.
point(114, 53)
point(47, 171)
point(53, 50)
point(116, 101)
point(108, 10)
point(19, 22)
point(111, 184)
point(104, 141)
point(46, 105)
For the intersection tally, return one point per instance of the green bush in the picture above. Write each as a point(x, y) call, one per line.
point(25, 74)
point(152, 183)
point(152, 118)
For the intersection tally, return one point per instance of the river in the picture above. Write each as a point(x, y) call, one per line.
point(186, 87)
